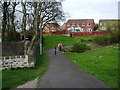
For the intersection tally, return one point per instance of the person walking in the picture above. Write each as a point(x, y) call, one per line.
point(55, 50)
point(60, 46)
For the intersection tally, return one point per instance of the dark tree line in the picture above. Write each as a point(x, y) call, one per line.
point(33, 16)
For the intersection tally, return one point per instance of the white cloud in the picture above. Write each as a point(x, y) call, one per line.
point(95, 9)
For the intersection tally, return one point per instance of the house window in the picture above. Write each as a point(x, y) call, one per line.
point(78, 29)
point(68, 24)
point(113, 28)
point(83, 24)
point(100, 23)
point(103, 28)
point(73, 24)
point(89, 30)
point(88, 24)
point(104, 24)
point(78, 24)
point(71, 29)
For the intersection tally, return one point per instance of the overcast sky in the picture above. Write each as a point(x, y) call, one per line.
point(91, 9)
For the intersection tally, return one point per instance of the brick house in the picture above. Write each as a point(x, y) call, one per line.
point(80, 25)
point(111, 23)
point(64, 26)
point(51, 27)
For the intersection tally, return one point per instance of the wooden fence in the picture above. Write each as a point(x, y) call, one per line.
point(87, 33)
point(76, 33)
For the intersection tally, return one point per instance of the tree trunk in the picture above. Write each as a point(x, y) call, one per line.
point(24, 26)
point(31, 44)
point(12, 16)
point(4, 22)
point(35, 27)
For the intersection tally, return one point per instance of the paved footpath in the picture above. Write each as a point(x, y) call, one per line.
point(62, 73)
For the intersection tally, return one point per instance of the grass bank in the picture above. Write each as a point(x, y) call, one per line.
point(0, 79)
point(102, 63)
point(50, 41)
point(14, 77)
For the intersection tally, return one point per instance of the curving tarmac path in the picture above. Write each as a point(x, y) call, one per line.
point(62, 73)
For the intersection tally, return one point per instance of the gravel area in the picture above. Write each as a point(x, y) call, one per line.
point(30, 84)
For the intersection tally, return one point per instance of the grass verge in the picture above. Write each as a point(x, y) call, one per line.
point(0, 79)
point(50, 41)
point(14, 77)
point(103, 63)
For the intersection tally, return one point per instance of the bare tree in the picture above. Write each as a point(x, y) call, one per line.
point(5, 21)
point(45, 12)
point(8, 17)
point(12, 15)
point(41, 13)
point(35, 23)
point(24, 25)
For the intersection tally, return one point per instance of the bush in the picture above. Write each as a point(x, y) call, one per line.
point(102, 40)
point(80, 47)
point(11, 36)
point(68, 49)
point(114, 36)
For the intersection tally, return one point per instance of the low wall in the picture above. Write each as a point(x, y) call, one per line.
point(21, 61)
point(14, 62)
point(12, 48)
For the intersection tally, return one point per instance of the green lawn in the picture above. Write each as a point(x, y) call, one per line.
point(14, 77)
point(103, 63)
point(0, 79)
point(50, 41)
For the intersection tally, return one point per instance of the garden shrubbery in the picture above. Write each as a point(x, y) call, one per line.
point(102, 40)
point(114, 36)
point(11, 36)
point(111, 38)
point(68, 49)
point(80, 47)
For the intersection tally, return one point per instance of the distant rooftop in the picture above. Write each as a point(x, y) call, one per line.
point(109, 20)
point(80, 20)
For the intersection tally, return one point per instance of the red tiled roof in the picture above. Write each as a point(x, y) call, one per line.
point(102, 20)
point(80, 20)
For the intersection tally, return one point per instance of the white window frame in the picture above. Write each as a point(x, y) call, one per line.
point(78, 24)
point(88, 24)
point(103, 28)
point(89, 29)
point(104, 24)
point(83, 24)
point(100, 23)
point(73, 24)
